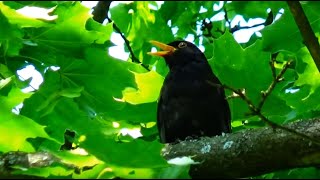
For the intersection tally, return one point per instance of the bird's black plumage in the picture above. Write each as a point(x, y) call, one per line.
point(188, 104)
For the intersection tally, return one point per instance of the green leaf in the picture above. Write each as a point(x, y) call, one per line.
point(101, 32)
point(46, 172)
point(149, 85)
point(13, 141)
point(13, 126)
point(133, 173)
point(21, 4)
point(4, 72)
point(98, 140)
point(120, 15)
point(253, 9)
point(10, 37)
point(174, 172)
point(71, 92)
point(99, 171)
point(282, 34)
point(20, 20)
point(238, 68)
point(310, 75)
point(14, 98)
point(243, 63)
point(307, 98)
point(78, 159)
point(69, 35)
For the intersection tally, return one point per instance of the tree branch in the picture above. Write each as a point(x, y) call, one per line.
point(256, 110)
point(250, 152)
point(267, 22)
point(309, 38)
point(100, 13)
point(276, 79)
point(245, 153)
point(237, 27)
point(21, 159)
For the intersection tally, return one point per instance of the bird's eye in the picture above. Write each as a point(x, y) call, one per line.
point(182, 45)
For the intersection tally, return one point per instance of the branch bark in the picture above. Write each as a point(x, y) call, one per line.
point(250, 152)
point(28, 160)
point(246, 153)
point(100, 11)
point(309, 38)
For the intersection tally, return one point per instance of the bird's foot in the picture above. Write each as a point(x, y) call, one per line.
point(191, 138)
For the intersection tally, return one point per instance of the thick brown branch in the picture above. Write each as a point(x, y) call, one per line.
point(309, 38)
point(100, 11)
point(250, 152)
point(29, 160)
point(241, 154)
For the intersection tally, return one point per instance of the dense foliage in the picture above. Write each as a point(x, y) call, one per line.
point(89, 92)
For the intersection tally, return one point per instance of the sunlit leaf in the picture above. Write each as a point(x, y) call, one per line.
point(13, 126)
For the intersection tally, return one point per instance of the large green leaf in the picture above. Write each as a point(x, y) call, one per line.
point(236, 67)
point(249, 69)
point(10, 37)
point(282, 35)
point(140, 26)
point(21, 4)
point(13, 126)
point(100, 137)
point(307, 98)
point(149, 85)
point(69, 35)
point(310, 8)
point(21, 20)
point(253, 9)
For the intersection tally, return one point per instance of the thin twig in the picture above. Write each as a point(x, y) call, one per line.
point(271, 63)
point(237, 27)
point(256, 110)
point(226, 17)
point(275, 81)
point(100, 13)
point(133, 57)
point(35, 89)
point(268, 21)
point(309, 38)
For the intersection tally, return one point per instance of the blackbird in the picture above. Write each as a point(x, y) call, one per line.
point(189, 106)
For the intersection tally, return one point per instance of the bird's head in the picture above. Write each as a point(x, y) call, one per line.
point(178, 53)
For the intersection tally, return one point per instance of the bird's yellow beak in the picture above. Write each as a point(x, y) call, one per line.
point(166, 49)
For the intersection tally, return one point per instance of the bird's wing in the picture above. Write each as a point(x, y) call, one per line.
point(160, 119)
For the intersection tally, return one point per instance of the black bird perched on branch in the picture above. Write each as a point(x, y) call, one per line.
point(189, 106)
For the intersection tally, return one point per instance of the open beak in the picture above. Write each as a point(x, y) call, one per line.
point(166, 49)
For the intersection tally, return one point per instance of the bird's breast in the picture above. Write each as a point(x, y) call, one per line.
point(189, 84)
